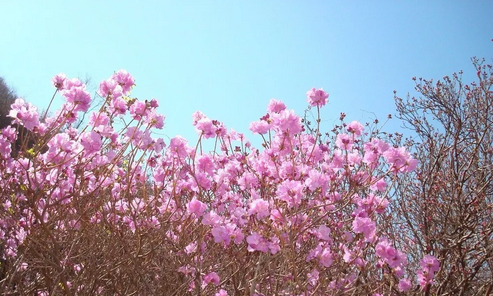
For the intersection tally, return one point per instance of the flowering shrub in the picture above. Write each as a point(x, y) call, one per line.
point(114, 211)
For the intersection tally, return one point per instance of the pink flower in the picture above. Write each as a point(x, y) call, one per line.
point(344, 141)
point(69, 83)
point(313, 277)
point(197, 207)
point(287, 121)
point(380, 185)
point(317, 97)
point(274, 245)
point(326, 257)
point(118, 106)
point(110, 87)
point(91, 141)
point(138, 110)
point(291, 192)
point(211, 278)
point(124, 79)
point(404, 285)
point(155, 120)
point(400, 160)
point(221, 234)
point(257, 243)
point(5, 147)
point(221, 292)
point(316, 180)
point(98, 118)
point(260, 127)
point(259, 207)
point(178, 146)
point(25, 114)
point(429, 263)
point(58, 81)
point(365, 226)
point(275, 106)
point(391, 256)
point(79, 97)
point(206, 128)
point(204, 164)
point(355, 128)
point(323, 233)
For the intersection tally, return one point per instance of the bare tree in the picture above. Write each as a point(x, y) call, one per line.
point(445, 207)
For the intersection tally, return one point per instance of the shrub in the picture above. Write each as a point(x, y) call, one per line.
point(110, 210)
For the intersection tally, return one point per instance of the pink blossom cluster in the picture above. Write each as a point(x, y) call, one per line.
point(299, 201)
point(429, 266)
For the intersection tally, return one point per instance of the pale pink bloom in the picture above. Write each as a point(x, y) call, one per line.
point(138, 110)
point(313, 277)
point(118, 106)
point(354, 158)
point(260, 127)
point(124, 79)
point(25, 114)
point(196, 207)
point(211, 218)
point(391, 256)
point(256, 243)
point(344, 141)
point(98, 118)
point(91, 141)
point(274, 245)
point(429, 263)
point(58, 81)
point(323, 233)
point(287, 121)
point(196, 116)
point(316, 180)
point(154, 119)
point(326, 257)
point(425, 277)
point(78, 97)
point(211, 278)
point(178, 146)
point(291, 192)
point(5, 147)
point(69, 83)
point(260, 208)
point(275, 106)
point(221, 292)
point(365, 226)
point(400, 160)
point(348, 254)
point(317, 97)
point(355, 128)
point(404, 285)
point(204, 164)
point(380, 185)
point(110, 87)
point(206, 128)
point(315, 252)
point(221, 234)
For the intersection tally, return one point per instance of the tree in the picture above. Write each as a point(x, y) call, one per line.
point(445, 206)
point(7, 98)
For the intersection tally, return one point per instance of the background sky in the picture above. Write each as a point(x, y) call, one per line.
point(229, 58)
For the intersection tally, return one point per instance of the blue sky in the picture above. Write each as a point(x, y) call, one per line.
point(229, 58)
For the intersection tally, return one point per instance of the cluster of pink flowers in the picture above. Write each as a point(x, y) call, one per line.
point(300, 197)
point(429, 265)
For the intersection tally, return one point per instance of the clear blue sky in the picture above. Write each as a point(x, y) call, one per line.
point(229, 58)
